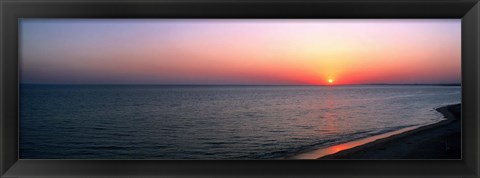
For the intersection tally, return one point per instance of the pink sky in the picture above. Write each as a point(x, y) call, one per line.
point(240, 51)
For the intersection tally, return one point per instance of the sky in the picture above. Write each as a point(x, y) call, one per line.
point(240, 51)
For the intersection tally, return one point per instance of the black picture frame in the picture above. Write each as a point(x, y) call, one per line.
point(467, 10)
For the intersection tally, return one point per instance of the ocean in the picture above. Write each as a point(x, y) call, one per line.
point(214, 122)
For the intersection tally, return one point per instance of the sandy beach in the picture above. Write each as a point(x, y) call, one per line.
point(441, 140)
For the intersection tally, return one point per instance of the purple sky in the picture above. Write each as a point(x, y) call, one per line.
point(115, 51)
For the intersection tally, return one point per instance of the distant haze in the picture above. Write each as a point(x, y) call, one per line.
point(270, 52)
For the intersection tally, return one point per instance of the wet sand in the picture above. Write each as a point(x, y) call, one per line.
point(441, 140)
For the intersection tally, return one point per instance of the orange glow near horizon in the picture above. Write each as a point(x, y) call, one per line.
point(313, 52)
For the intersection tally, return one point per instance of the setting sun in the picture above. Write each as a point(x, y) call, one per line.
point(274, 88)
point(241, 51)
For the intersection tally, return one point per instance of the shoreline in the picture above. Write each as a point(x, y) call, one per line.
point(440, 140)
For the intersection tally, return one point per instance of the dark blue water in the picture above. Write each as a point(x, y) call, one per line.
point(213, 122)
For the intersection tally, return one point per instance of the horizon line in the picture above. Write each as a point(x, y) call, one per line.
point(431, 84)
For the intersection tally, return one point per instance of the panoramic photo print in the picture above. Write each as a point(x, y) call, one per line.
point(240, 89)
